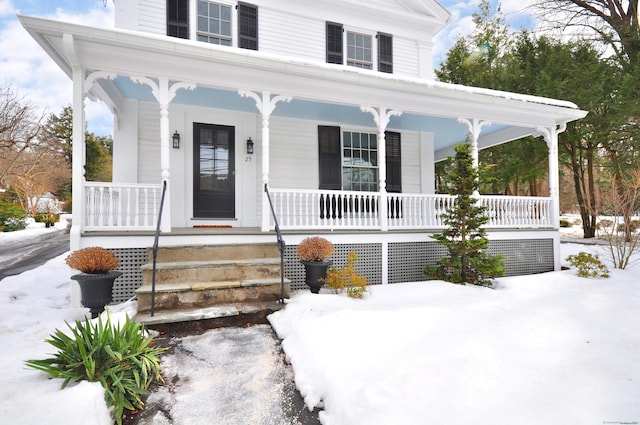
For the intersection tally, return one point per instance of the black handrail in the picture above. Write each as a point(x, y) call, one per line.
point(155, 250)
point(281, 244)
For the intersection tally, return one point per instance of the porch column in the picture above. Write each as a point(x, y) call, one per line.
point(79, 157)
point(381, 116)
point(265, 104)
point(550, 135)
point(164, 92)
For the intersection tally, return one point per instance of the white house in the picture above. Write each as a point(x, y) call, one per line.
point(329, 104)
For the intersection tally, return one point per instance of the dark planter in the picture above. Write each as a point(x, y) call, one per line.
point(96, 290)
point(315, 271)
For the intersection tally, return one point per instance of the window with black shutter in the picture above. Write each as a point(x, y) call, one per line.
point(247, 26)
point(329, 157)
point(178, 18)
point(334, 43)
point(393, 162)
point(385, 53)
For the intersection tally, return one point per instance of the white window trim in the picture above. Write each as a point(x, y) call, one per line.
point(193, 17)
point(369, 131)
point(374, 45)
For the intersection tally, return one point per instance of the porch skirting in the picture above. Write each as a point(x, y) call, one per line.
point(401, 260)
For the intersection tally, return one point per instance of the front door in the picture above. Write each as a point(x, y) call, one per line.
point(213, 171)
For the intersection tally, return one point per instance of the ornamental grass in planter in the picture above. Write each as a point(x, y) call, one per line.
point(98, 266)
point(93, 260)
point(313, 252)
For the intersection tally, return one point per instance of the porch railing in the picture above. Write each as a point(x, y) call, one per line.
point(119, 206)
point(317, 209)
point(127, 206)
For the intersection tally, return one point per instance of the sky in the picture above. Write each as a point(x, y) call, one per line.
point(26, 68)
point(548, 349)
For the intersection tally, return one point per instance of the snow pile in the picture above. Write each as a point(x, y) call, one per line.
point(542, 349)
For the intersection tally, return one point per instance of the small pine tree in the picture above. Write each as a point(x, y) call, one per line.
point(464, 238)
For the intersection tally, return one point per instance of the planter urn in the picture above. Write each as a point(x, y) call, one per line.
point(96, 290)
point(315, 271)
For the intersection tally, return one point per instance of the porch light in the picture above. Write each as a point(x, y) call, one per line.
point(249, 146)
point(176, 140)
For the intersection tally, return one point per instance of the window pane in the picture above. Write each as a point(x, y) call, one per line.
point(203, 8)
point(225, 28)
point(226, 13)
point(347, 157)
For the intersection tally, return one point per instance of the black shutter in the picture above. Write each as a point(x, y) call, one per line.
point(247, 26)
point(334, 43)
point(329, 157)
point(394, 169)
point(178, 18)
point(385, 53)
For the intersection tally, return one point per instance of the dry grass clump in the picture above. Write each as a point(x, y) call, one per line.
point(93, 260)
point(315, 248)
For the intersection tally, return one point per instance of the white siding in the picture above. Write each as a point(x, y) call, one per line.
point(405, 57)
point(293, 153)
point(410, 161)
point(149, 143)
point(153, 16)
point(296, 36)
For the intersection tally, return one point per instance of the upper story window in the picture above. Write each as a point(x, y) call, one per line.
point(361, 50)
point(214, 23)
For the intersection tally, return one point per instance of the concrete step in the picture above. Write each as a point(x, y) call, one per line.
point(215, 252)
point(212, 271)
point(199, 294)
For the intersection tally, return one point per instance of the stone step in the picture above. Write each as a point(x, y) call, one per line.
point(199, 294)
point(224, 313)
point(215, 252)
point(212, 271)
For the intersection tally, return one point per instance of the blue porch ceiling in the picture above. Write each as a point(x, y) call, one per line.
point(447, 131)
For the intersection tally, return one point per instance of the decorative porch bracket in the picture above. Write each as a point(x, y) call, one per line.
point(164, 92)
point(266, 105)
point(550, 135)
point(475, 127)
point(382, 116)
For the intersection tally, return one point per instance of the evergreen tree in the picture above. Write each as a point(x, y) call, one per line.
point(465, 239)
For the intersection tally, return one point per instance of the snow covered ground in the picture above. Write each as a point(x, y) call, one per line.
point(543, 349)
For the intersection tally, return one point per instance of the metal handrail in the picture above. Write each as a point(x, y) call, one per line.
point(155, 250)
point(281, 244)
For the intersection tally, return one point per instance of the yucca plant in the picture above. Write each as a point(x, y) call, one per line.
point(122, 358)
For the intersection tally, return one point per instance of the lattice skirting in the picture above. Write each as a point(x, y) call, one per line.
point(406, 261)
point(369, 263)
point(131, 259)
point(529, 256)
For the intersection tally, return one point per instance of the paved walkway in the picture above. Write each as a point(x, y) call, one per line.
point(227, 376)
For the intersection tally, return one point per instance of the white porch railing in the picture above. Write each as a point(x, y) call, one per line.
point(121, 206)
point(318, 209)
point(130, 206)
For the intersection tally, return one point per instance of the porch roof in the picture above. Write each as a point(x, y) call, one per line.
point(323, 91)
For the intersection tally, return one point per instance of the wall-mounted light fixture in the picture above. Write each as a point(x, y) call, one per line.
point(249, 146)
point(176, 140)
